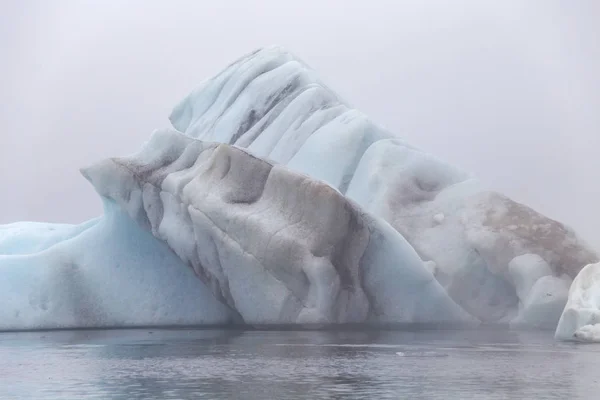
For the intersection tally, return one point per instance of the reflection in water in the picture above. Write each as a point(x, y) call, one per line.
point(229, 364)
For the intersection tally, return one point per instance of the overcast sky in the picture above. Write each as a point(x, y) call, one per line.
point(507, 89)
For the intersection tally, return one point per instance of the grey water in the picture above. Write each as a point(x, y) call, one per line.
point(230, 364)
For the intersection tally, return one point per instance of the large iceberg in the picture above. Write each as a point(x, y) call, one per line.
point(289, 206)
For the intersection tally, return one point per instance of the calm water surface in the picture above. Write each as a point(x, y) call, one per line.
point(217, 364)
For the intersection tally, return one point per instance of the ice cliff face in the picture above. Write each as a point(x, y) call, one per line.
point(292, 207)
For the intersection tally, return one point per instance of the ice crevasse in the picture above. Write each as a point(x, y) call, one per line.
point(286, 205)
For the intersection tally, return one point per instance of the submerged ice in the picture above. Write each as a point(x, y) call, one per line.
point(288, 206)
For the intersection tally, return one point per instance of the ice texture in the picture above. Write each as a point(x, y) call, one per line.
point(276, 246)
point(289, 206)
point(580, 320)
point(33, 237)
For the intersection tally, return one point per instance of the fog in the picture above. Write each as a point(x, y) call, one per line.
point(509, 90)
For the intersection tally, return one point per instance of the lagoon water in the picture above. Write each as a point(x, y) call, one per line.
point(351, 364)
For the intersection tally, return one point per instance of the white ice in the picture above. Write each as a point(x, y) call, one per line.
point(580, 320)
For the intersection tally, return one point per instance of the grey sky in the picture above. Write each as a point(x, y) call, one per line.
point(507, 89)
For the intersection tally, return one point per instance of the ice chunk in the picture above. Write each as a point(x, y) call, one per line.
point(580, 320)
point(420, 354)
point(439, 218)
point(588, 333)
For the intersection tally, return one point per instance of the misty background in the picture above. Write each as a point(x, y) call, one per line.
point(509, 90)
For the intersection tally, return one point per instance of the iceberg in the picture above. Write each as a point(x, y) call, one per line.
point(580, 320)
point(272, 201)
